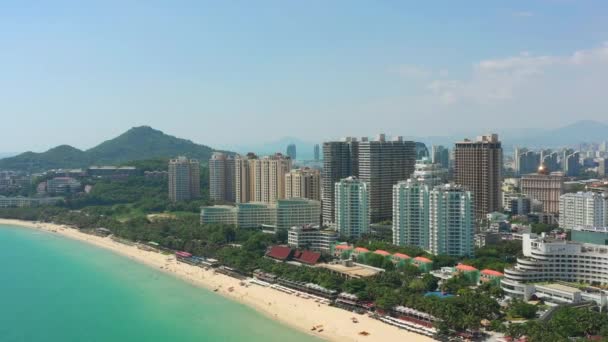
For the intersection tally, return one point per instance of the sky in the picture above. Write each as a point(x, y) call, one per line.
point(237, 72)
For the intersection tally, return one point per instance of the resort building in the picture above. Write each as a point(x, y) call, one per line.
point(303, 183)
point(548, 259)
point(451, 221)
point(111, 171)
point(545, 187)
point(352, 270)
point(222, 178)
point(352, 208)
point(296, 212)
point(424, 264)
point(63, 185)
point(491, 276)
point(184, 179)
point(382, 164)
point(20, 202)
point(583, 209)
point(478, 166)
point(219, 214)
point(312, 238)
point(411, 213)
point(283, 214)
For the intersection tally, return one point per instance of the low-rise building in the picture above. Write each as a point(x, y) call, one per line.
point(62, 185)
point(20, 202)
point(312, 237)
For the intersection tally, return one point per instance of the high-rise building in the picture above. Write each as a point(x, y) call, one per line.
point(382, 164)
point(184, 179)
point(261, 179)
point(352, 208)
point(572, 164)
point(478, 167)
point(222, 178)
point(441, 156)
point(339, 162)
point(303, 183)
point(317, 152)
point(451, 221)
point(291, 151)
point(545, 187)
point(429, 173)
point(550, 160)
point(526, 161)
point(411, 213)
point(602, 169)
point(583, 210)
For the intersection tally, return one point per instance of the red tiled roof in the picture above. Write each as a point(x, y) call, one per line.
point(463, 267)
point(361, 249)
point(401, 256)
point(423, 259)
point(492, 273)
point(308, 257)
point(343, 247)
point(381, 252)
point(279, 252)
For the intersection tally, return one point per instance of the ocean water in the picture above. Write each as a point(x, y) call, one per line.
point(53, 289)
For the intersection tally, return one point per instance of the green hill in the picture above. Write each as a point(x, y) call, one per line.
point(138, 143)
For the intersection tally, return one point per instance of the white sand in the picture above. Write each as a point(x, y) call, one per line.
point(296, 312)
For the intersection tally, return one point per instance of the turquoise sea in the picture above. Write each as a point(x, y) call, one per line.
point(53, 289)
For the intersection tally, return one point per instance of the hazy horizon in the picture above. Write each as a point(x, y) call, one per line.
point(229, 74)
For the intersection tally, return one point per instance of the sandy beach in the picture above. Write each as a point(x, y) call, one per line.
point(294, 311)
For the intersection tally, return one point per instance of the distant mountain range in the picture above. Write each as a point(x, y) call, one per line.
point(572, 135)
point(567, 136)
point(138, 143)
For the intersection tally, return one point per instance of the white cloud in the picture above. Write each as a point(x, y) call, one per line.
point(504, 78)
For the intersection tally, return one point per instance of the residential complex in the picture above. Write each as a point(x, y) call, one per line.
point(340, 160)
point(544, 187)
point(303, 183)
point(184, 179)
point(411, 213)
point(478, 167)
point(583, 210)
point(260, 179)
point(451, 221)
point(382, 164)
point(222, 178)
point(352, 207)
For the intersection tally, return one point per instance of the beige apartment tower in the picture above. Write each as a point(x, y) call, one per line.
point(221, 178)
point(260, 179)
point(478, 167)
point(184, 179)
point(545, 187)
point(303, 183)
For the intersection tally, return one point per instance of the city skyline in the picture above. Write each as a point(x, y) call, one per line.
point(143, 65)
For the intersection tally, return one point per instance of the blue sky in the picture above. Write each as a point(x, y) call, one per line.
point(238, 72)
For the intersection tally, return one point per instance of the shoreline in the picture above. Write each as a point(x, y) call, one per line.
point(298, 313)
